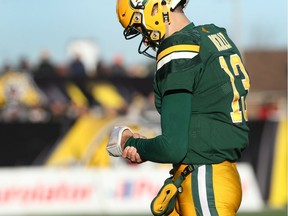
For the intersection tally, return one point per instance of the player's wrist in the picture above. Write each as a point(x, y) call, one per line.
point(128, 142)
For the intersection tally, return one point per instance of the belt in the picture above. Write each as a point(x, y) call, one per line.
point(186, 171)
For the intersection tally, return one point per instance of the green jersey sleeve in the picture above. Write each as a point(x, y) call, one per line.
point(171, 146)
point(178, 66)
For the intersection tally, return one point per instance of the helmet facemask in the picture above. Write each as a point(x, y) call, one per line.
point(148, 20)
point(146, 44)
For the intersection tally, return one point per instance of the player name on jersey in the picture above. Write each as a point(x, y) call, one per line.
point(220, 41)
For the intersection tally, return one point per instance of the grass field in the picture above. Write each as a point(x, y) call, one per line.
point(267, 212)
point(262, 213)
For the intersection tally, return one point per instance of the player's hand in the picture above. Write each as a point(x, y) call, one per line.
point(125, 136)
point(130, 152)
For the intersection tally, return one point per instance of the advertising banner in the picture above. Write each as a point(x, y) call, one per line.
point(78, 190)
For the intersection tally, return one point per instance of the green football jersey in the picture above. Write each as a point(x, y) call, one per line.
point(204, 61)
point(200, 87)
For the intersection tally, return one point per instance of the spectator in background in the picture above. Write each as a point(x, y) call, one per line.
point(20, 98)
point(78, 75)
point(24, 65)
point(103, 70)
point(118, 68)
point(51, 83)
point(77, 68)
point(46, 68)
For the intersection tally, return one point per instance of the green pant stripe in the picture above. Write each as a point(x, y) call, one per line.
point(210, 191)
point(195, 193)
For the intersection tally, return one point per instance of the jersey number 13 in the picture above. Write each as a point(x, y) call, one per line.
point(238, 112)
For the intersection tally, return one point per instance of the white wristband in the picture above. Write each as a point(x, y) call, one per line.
point(114, 147)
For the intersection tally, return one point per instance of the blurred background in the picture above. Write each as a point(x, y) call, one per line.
point(67, 76)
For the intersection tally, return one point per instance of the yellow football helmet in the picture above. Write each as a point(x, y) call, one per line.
point(146, 17)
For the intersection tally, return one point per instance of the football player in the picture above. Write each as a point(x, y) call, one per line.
point(200, 90)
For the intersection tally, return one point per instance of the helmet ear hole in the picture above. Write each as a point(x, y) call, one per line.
point(154, 9)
